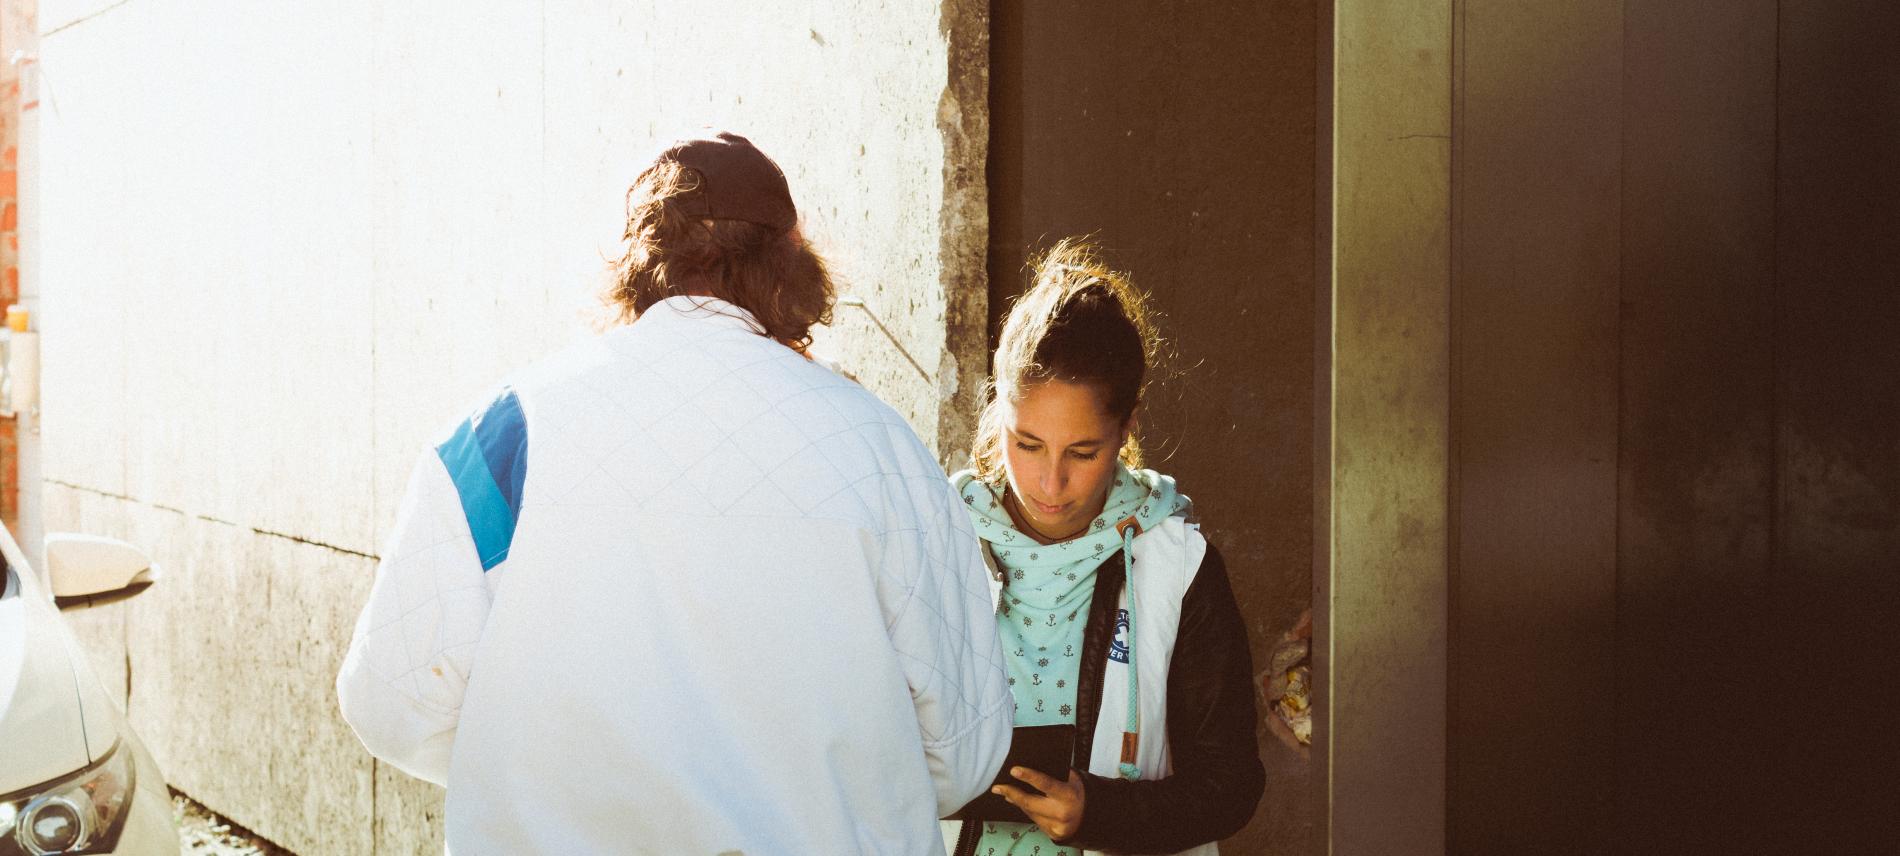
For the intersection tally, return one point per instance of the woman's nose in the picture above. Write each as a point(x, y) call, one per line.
point(1053, 479)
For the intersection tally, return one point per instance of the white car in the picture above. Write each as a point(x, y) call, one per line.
point(73, 776)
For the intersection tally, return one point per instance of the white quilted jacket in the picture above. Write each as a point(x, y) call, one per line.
point(680, 590)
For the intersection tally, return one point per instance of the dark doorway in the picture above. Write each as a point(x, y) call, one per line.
point(1181, 135)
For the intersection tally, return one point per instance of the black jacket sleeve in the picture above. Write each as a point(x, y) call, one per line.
point(1217, 778)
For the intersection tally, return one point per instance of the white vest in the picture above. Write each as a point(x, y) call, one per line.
point(1166, 560)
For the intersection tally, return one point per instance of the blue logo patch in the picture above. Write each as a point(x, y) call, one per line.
point(1118, 646)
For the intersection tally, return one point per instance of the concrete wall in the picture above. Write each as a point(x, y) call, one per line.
point(284, 244)
point(1382, 624)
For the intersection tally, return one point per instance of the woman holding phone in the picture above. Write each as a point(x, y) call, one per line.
point(1120, 631)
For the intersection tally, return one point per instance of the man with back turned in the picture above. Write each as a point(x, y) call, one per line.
point(679, 588)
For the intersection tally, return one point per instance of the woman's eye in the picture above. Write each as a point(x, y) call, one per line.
point(1084, 456)
point(1027, 447)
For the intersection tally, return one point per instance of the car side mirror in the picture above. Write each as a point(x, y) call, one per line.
point(83, 565)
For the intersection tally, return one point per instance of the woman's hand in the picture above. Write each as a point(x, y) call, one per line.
point(1058, 813)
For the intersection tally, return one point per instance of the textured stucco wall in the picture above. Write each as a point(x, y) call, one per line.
point(285, 244)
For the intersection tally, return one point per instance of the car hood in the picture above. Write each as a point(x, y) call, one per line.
point(42, 726)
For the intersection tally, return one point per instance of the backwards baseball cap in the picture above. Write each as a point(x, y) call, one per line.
point(736, 182)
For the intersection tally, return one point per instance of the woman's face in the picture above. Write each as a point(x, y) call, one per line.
point(1060, 448)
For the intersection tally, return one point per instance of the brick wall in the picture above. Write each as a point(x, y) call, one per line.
point(10, 107)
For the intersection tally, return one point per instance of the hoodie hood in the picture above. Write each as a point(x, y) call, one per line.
point(1145, 496)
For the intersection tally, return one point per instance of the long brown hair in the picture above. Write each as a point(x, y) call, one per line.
point(1079, 322)
point(774, 275)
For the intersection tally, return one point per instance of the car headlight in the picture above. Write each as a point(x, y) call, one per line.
point(81, 813)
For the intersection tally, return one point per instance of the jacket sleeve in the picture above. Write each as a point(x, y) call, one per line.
point(943, 627)
point(1217, 778)
point(401, 684)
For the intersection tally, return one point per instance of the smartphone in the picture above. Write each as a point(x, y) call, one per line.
point(1047, 749)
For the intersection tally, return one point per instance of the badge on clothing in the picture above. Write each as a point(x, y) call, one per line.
point(1118, 646)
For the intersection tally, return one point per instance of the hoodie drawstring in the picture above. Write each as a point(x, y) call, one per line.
point(1131, 734)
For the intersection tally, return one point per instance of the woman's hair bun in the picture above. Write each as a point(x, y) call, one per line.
point(1080, 322)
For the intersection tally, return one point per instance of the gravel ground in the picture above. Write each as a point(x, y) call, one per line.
point(201, 832)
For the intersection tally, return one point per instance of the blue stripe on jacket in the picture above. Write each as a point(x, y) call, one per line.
point(487, 458)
